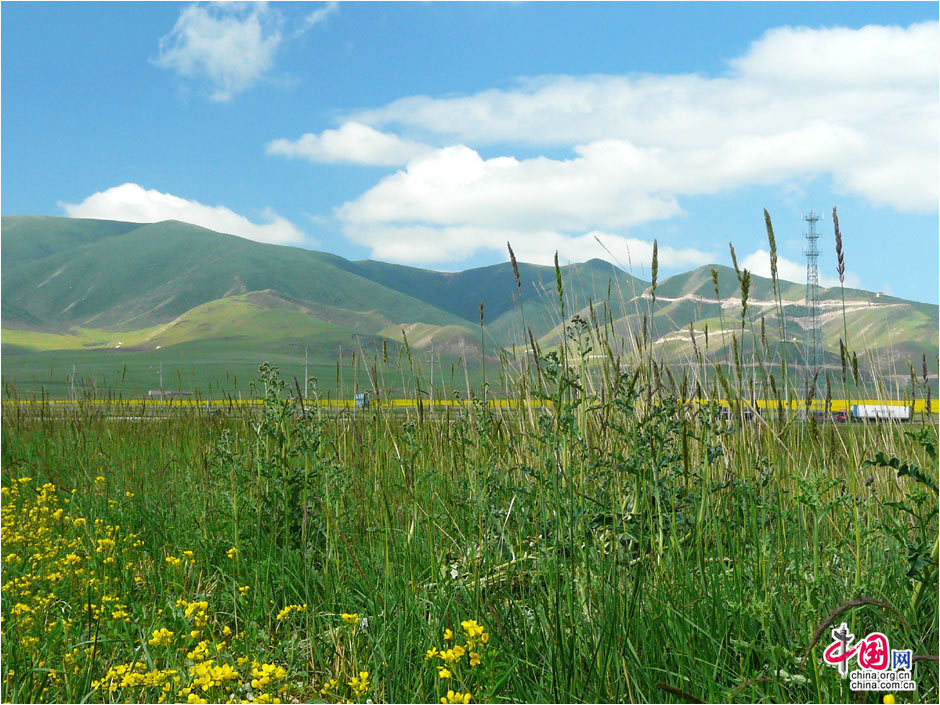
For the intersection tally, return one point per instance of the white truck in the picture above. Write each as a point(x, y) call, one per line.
point(880, 412)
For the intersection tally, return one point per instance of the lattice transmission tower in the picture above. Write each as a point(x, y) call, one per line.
point(812, 321)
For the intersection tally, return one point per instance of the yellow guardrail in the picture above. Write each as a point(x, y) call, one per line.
point(794, 405)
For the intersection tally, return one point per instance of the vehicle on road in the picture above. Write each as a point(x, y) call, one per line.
point(880, 412)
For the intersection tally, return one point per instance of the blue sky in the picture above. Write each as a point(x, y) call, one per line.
point(429, 134)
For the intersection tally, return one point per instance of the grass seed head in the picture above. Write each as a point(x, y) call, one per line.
point(515, 266)
point(772, 243)
point(840, 255)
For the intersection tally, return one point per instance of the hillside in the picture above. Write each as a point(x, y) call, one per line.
point(129, 296)
point(127, 278)
point(687, 319)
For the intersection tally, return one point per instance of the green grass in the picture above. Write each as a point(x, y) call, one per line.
point(624, 549)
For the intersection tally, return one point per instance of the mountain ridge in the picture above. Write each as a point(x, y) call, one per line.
point(87, 285)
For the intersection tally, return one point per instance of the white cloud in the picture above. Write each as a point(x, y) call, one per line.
point(455, 186)
point(132, 203)
point(353, 143)
point(424, 244)
point(758, 262)
point(230, 45)
point(610, 184)
point(873, 55)
point(318, 16)
point(859, 105)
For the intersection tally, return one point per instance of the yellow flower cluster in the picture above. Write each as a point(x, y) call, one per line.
point(161, 637)
point(136, 675)
point(286, 612)
point(263, 674)
point(360, 684)
point(58, 572)
point(206, 675)
point(350, 618)
point(61, 572)
point(476, 637)
point(195, 611)
point(467, 647)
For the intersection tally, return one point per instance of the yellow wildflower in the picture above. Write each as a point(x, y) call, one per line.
point(285, 613)
point(262, 674)
point(350, 618)
point(448, 635)
point(161, 637)
point(360, 684)
point(200, 652)
point(472, 629)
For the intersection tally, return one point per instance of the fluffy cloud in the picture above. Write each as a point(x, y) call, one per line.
point(424, 244)
point(455, 186)
point(133, 203)
point(610, 183)
point(451, 201)
point(353, 143)
point(859, 105)
point(230, 45)
point(758, 262)
point(875, 55)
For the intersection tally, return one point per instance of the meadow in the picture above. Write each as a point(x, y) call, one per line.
point(613, 536)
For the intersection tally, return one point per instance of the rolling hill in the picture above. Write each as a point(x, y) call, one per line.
point(121, 299)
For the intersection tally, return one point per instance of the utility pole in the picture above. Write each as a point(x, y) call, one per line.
point(72, 385)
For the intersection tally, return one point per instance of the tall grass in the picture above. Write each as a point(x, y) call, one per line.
point(613, 536)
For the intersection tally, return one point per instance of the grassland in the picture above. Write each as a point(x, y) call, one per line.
point(615, 545)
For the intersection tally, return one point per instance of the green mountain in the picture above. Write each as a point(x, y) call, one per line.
point(126, 278)
point(886, 332)
point(121, 299)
